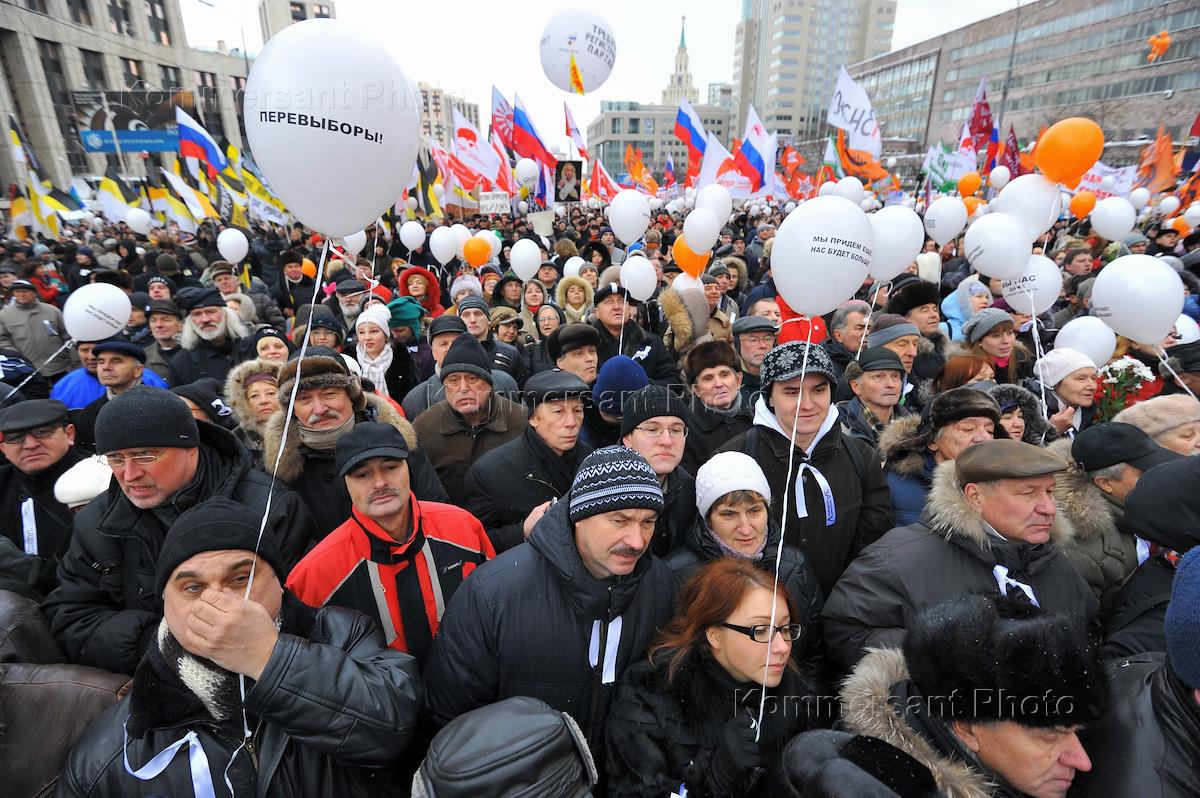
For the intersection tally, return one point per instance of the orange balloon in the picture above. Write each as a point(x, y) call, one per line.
point(1082, 204)
point(1068, 149)
point(972, 203)
point(689, 261)
point(477, 251)
point(308, 268)
point(969, 183)
point(1180, 225)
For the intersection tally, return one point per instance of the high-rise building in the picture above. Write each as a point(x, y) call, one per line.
point(787, 54)
point(720, 94)
point(437, 123)
point(680, 87)
point(275, 15)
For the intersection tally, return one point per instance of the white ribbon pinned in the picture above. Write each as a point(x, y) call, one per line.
point(826, 494)
point(202, 784)
point(1005, 582)
point(612, 642)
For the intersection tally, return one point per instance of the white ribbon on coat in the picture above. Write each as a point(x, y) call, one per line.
point(202, 784)
point(1005, 582)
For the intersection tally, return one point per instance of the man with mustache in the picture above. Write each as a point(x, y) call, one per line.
point(207, 343)
point(561, 616)
point(397, 559)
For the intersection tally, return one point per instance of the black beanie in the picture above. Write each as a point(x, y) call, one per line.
point(145, 418)
point(466, 354)
point(214, 525)
point(650, 402)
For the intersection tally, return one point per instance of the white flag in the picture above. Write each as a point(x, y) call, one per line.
point(850, 109)
point(473, 149)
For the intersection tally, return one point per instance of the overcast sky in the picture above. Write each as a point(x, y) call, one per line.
point(481, 42)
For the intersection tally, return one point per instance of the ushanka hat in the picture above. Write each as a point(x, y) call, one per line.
point(320, 368)
point(614, 478)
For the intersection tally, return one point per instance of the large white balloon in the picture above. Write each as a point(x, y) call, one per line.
point(491, 239)
point(945, 218)
point(827, 188)
point(629, 215)
point(686, 282)
point(1168, 206)
point(525, 258)
point(412, 234)
point(526, 172)
point(898, 239)
point(1192, 215)
point(999, 177)
point(1107, 182)
point(138, 220)
point(1089, 335)
point(581, 42)
point(1139, 297)
point(1036, 289)
point(443, 245)
point(232, 244)
point(522, 207)
point(822, 254)
point(336, 138)
point(1034, 200)
point(1113, 218)
point(462, 235)
point(851, 188)
point(996, 245)
point(354, 243)
point(572, 266)
point(1187, 329)
point(438, 191)
point(639, 278)
point(96, 311)
point(411, 203)
point(716, 198)
point(701, 228)
point(1139, 197)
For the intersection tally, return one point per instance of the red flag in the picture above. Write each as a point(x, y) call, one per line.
point(980, 123)
point(1195, 131)
point(602, 185)
point(791, 159)
point(1012, 153)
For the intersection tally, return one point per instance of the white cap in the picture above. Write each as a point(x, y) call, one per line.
point(376, 314)
point(83, 481)
point(1058, 364)
point(726, 472)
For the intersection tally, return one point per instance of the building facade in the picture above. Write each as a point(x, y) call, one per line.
point(1042, 62)
point(275, 15)
point(787, 54)
point(437, 123)
point(680, 87)
point(50, 49)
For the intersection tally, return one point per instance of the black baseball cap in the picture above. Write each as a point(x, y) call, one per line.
point(880, 359)
point(32, 414)
point(366, 440)
point(1105, 445)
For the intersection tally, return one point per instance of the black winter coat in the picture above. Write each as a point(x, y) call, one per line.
point(708, 431)
point(663, 735)
point(402, 376)
point(1149, 742)
point(1134, 624)
point(509, 481)
point(52, 519)
point(860, 493)
point(333, 711)
point(506, 358)
point(536, 359)
point(646, 348)
point(105, 609)
point(203, 360)
point(522, 624)
point(678, 515)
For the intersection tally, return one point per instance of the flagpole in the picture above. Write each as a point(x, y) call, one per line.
point(109, 123)
point(1012, 54)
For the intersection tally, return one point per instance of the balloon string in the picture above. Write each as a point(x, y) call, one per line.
point(762, 698)
point(621, 337)
point(1039, 352)
point(870, 311)
point(70, 343)
point(1162, 356)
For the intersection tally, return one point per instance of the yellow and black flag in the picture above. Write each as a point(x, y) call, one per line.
point(22, 152)
point(115, 196)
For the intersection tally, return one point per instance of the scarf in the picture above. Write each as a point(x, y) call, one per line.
point(728, 412)
point(375, 368)
point(216, 687)
point(729, 551)
point(323, 439)
point(560, 468)
point(108, 392)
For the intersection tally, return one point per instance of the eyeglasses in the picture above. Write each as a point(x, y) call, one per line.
point(761, 633)
point(41, 433)
point(118, 461)
point(655, 431)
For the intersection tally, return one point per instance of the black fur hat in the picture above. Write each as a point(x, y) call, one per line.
point(912, 294)
point(986, 657)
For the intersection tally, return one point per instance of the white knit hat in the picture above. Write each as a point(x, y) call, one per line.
point(83, 481)
point(376, 314)
point(726, 472)
point(1058, 364)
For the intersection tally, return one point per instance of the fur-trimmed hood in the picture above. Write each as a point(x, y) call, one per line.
point(743, 277)
point(1093, 516)
point(433, 290)
point(235, 390)
point(291, 465)
point(1037, 430)
point(867, 710)
point(948, 512)
point(686, 313)
point(560, 291)
point(902, 447)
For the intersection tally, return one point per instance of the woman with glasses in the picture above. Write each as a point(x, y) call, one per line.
point(685, 721)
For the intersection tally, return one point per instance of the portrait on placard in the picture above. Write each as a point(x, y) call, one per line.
point(566, 180)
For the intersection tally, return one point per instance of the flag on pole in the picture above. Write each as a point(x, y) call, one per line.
point(669, 171)
point(504, 180)
point(22, 152)
point(525, 139)
point(502, 118)
point(195, 142)
point(831, 164)
point(993, 151)
point(980, 123)
point(115, 196)
point(197, 204)
point(602, 185)
point(575, 134)
point(756, 157)
point(638, 173)
point(850, 110)
point(690, 130)
point(472, 150)
point(1012, 153)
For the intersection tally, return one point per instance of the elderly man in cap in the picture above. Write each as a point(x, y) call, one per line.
point(990, 695)
point(562, 616)
point(797, 439)
point(471, 421)
point(654, 424)
point(443, 331)
point(990, 517)
point(38, 447)
point(105, 609)
point(234, 644)
point(329, 402)
point(35, 329)
point(208, 340)
point(900, 336)
point(475, 314)
point(718, 411)
point(165, 320)
point(613, 315)
point(265, 307)
point(753, 337)
point(120, 365)
point(847, 328)
point(917, 301)
point(1153, 727)
point(573, 348)
point(396, 559)
point(876, 379)
point(512, 486)
point(346, 302)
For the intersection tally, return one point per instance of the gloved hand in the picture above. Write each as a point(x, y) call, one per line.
point(738, 753)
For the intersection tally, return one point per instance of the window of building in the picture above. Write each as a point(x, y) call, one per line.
point(170, 77)
point(237, 85)
point(56, 81)
point(617, 127)
point(131, 72)
point(635, 126)
point(93, 69)
point(36, 5)
point(320, 12)
point(81, 14)
point(208, 103)
point(118, 17)
point(648, 126)
point(156, 14)
point(298, 12)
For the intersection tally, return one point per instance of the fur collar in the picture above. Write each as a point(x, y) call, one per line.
point(867, 710)
point(1078, 498)
point(235, 390)
point(901, 447)
point(947, 511)
point(291, 465)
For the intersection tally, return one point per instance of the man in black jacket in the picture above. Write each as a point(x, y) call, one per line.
point(512, 486)
point(560, 617)
point(474, 313)
point(38, 445)
point(104, 610)
point(210, 333)
point(612, 316)
point(310, 678)
point(654, 424)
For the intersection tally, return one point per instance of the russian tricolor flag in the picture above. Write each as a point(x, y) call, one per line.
point(751, 158)
point(526, 141)
point(195, 142)
point(690, 130)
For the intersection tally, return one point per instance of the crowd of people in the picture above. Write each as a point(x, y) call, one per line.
point(377, 525)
